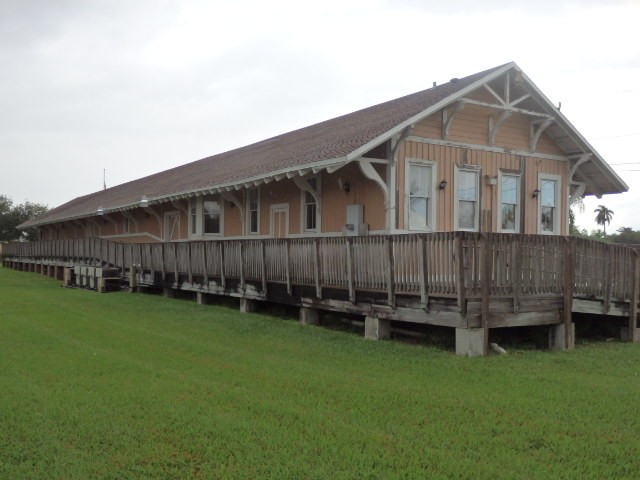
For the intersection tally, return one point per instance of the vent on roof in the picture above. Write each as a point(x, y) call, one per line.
point(454, 80)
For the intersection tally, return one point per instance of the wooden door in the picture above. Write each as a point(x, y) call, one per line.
point(280, 220)
point(171, 226)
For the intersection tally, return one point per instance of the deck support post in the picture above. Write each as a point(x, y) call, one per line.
point(247, 305)
point(569, 334)
point(66, 278)
point(202, 298)
point(558, 338)
point(377, 328)
point(133, 278)
point(486, 283)
point(309, 316)
point(632, 333)
point(168, 292)
point(471, 342)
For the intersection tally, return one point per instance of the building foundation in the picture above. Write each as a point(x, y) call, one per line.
point(309, 316)
point(377, 328)
point(557, 339)
point(470, 342)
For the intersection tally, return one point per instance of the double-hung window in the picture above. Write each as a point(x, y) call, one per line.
point(509, 203)
point(467, 198)
point(310, 207)
point(211, 215)
point(253, 210)
point(193, 216)
point(548, 199)
point(420, 186)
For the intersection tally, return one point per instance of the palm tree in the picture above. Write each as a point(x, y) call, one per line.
point(604, 216)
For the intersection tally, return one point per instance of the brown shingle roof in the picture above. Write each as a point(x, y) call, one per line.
point(335, 138)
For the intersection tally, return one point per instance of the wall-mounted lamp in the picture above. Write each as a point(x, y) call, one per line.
point(535, 193)
point(346, 186)
point(100, 211)
point(144, 203)
point(443, 184)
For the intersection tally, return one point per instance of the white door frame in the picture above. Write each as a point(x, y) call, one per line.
point(279, 207)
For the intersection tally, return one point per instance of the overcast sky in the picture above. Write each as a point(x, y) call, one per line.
point(137, 87)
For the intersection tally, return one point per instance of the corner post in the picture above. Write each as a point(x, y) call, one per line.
point(633, 304)
point(487, 261)
point(568, 283)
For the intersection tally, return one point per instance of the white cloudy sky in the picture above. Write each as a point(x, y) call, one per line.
point(140, 86)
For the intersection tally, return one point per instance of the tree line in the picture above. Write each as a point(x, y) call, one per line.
point(12, 215)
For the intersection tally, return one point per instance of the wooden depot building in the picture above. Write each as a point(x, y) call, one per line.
point(449, 206)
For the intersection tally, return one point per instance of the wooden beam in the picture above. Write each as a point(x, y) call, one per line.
point(288, 266)
point(567, 289)
point(485, 287)
point(461, 272)
point(535, 131)
point(579, 161)
point(494, 125)
point(492, 92)
point(530, 113)
point(633, 302)
point(243, 280)
point(448, 116)
point(390, 272)
point(371, 173)
point(263, 258)
point(519, 100)
point(350, 273)
point(422, 265)
point(316, 267)
point(223, 277)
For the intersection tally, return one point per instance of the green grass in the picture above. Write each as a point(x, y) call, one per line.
point(138, 386)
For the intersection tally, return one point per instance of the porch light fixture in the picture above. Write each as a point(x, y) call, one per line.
point(535, 193)
point(100, 211)
point(443, 184)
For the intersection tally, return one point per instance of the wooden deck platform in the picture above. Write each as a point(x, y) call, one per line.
point(436, 279)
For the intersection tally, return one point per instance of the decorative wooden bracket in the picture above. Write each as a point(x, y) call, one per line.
point(230, 196)
point(112, 222)
point(583, 158)
point(132, 219)
point(536, 128)
point(304, 185)
point(492, 92)
point(578, 192)
point(447, 118)
point(151, 211)
point(368, 171)
point(180, 206)
point(494, 125)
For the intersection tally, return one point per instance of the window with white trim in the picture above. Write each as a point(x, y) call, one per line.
point(211, 215)
point(509, 203)
point(310, 206)
point(193, 216)
point(420, 187)
point(253, 210)
point(549, 213)
point(467, 199)
point(126, 225)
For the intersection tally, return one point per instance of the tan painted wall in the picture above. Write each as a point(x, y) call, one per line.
point(446, 159)
point(471, 125)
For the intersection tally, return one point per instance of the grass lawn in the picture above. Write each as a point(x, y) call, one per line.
point(137, 386)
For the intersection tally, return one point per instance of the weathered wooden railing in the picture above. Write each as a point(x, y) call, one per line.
point(436, 264)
